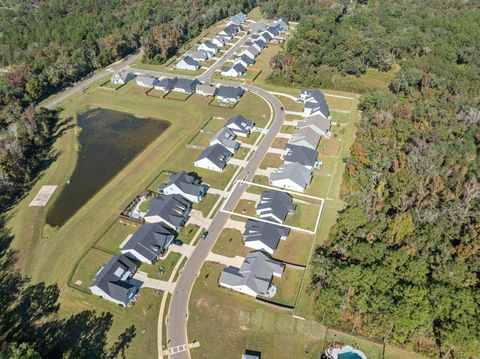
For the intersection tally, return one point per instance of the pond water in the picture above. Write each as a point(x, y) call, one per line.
point(108, 141)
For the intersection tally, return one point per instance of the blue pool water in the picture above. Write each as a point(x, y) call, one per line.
point(349, 355)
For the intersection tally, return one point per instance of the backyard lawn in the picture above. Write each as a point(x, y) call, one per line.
point(163, 268)
point(115, 235)
point(304, 216)
point(295, 249)
point(230, 243)
point(287, 286)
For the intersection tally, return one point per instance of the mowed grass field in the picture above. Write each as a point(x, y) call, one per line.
point(51, 255)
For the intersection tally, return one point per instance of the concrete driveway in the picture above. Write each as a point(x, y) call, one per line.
point(239, 225)
point(153, 283)
point(226, 261)
point(196, 217)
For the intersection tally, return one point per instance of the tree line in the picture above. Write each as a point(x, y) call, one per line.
point(402, 260)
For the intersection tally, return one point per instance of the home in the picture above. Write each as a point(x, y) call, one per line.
point(229, 93)
point(255, 275)
point(122, 77)
point(214, 158)
point(314, 103)
point(292, 176)
point(259, 43)
point(249, 51)
point(226, 138)
point(206, 90)
point(230, 30)
point(274, 205)
point(149, 242)
point(302, 155)
point(186, 185)
point(185, 85)
point(263, 236)
point(316, 123)
point(244, 60)
point(209, 46)
point(238, 19)
point(253, 44)
point(240, 126)
point(172, 209)
point(272, 31)
point(165, 84)
point(227, 36)
point(201, 55)
point(219, 40)
point(187, 63)
point(146, 81)
point(281, 24)
point(267, 37)
point(236, 70)
point(114, 281)
point(305, 137)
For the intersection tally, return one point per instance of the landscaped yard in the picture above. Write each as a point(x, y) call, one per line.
point(230, 243)
point(287, 286)
point(271, 160)
point(166, 265)
point(295, 249)
point(115, 235)
point(207, 203)
point(304, 216)
point(88, 267)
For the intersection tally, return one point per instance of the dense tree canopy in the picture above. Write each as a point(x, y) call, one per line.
point(404, 255)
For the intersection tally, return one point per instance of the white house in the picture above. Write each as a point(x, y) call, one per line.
point(172, 210)
point(206, 90)
point(240, 125)
point(186, 185)
point(213, 158)
point(229, 94)
point(274, 205)
point(187, 63)
point(209, 46)
point(219, 40)
point(122, 77)
point(236, 70)
point(201, 55)
point(292, 176)
point(146, 81)
point(263, 236)
point(226, 138)
point(244, 60)
point(250, 51)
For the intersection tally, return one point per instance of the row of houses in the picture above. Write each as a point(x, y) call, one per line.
point(167, 213)
point(223, 144)
point(301, 155)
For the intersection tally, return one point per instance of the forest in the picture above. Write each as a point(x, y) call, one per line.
point(403, 259)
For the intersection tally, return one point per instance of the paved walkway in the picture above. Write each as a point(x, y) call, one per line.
point(237, 162)
point(184, 249)
point(265, 172)
point(227, 261)
point(251, 196)
point(284, 135)
point(231, 223)
point(217, 191)
point(196, 217)
point(291, 123)
point(154, 283)
point(248, 145)
point(278, 151)
point(295, 113)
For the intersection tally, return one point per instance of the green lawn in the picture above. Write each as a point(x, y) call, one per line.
point(279, 142)
point(287, 286)
point(166, 265)
point(246, 207)
point(207, 203)
point(162, 177)
point(144, 205)
point(230, 243)
point(214, 125)
point(340, 117)
point(241, 153)
point(250, 139)
point(115, 235)
point(287, 129)
point(295, 249)
point(271, 160)
point(89, 266)
point(201, 139)
point(187, 233)
point(304, 216)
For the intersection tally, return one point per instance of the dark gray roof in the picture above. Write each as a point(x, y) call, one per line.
point(272, 30)
point(260, 42)
point(266, 35)
point(243, 124)
point(246, 59)
point(239, 68)
point(114, 278)
point(186, 183)
point(147, 80)
point(318, 103)
point(186, 84)
point(231, 29)
point(256, 272)
point(230, 92)
point(210, 44)
point(190, 61)
point(276, 203)
point(173, 208)
point(166, 83)
point(226, 137)
point(200, 55)
point(295, 172)
point(267, 233)
point(303, 155)
point(218, 154)
point(150, 240)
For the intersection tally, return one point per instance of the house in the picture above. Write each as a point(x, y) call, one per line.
point(267, 37)
point(244, 60)
point(306, 137)
point(259, 43)
point(316, 123)
point(146, 81)
point(281, 24)
point(255, 275)
point(114, 281)
point(229, 93)
point(230, 30)
point(238, 19)
point(214, 158)
point(275, 205)
point(236, 70)
point(187, 63)
point(263, 236)
point(149, 242)
point(226, 138)
point(249, 51)
point(209, 46)
point(172, 209)
point(228, 36)
point(219, 40)
point(253, 44)
point(302, 155)
point(206, 90)
point(314, 103)
point(186, 185)
point(122, 77)
point(291, 176)
point(201, 55)
point(272, 31)
point(165, 84)
point(240, 125)
point(185, 85)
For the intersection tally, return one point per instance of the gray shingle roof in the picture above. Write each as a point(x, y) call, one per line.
point(208, 89)
point(226, 137)
point(147, 80)
point(246, 59)
point(190, 61)
point(303, 155)
point(166, 83)
point(230, 92)
point(276, 203)
point(150, 240)
point(239, 68)
point(186, 84)
point(114, 278)
point(306, 134)
point(256, 272)
point(295, 172)
point(230, 29)
point(217, 154)
point(186, 183)
point(173, 208)
point(200, 55)
point(317, 121)
point(241, 124)
point(317, 103)
point(272, 30)
point(267, 233)
point(210, 44)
